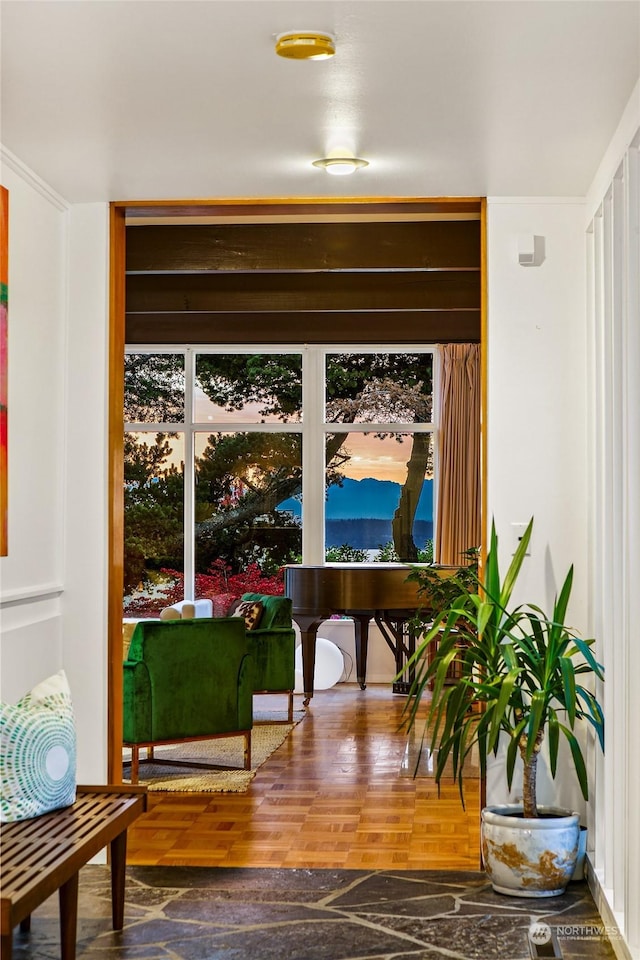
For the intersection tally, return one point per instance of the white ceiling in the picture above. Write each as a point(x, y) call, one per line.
point(123, 99)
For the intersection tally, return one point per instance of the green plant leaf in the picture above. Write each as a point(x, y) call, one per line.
point(578, 760)
point(554, 737)
point(515, 565)
point(569, 688)
point(583, 647)
point(595, 715)
point(562, 602)
point(499, 711)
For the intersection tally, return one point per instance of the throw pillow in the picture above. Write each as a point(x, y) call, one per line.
point(170, 613)
point(38, 751)
point(251, 610)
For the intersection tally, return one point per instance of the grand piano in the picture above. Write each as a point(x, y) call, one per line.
point(364, 592)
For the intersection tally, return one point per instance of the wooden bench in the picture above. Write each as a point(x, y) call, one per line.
point(45, 854)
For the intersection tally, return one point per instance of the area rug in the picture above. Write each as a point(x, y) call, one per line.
point(227, 752)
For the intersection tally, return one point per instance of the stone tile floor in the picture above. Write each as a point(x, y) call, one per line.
point(201, 913)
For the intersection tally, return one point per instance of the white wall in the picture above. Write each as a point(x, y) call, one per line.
point(85, 504)
point(53, 581)
point(536, 392)
point(537, 401)
point(33, 572)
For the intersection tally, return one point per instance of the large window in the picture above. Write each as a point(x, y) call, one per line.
point(238, 462)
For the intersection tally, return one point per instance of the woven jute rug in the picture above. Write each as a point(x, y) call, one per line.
point(226, 752)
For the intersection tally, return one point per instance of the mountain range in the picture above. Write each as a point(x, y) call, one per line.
point(367, 498)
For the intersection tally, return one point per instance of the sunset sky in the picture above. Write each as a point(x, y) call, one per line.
point(384, 459)
point(370, 457)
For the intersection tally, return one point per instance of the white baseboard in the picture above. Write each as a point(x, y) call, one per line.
point(619, 944)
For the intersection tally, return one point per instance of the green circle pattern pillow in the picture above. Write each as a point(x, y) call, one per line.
point(38, 751)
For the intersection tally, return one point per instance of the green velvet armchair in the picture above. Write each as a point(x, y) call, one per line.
point(273, 646)
point(187, 680)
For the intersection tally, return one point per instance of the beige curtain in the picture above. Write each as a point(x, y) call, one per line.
point(458, 512)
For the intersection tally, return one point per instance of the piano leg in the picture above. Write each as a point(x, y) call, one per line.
point(308, 662)
point(397, 629)
point(361, 631)
point(308, 632)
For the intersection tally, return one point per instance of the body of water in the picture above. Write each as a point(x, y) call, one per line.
point(369, 534)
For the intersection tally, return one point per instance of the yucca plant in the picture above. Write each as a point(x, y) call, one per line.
point(518, 675)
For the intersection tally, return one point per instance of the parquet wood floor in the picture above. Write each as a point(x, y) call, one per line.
point(331, 796)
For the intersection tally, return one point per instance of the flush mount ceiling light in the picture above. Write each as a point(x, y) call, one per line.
point(305, 45)
point(341, 166)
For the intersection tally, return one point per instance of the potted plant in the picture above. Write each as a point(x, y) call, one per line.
point(518, 681)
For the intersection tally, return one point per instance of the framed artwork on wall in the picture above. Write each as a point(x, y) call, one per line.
point(4, 347)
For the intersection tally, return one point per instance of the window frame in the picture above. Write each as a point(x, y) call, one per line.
point(313, 428)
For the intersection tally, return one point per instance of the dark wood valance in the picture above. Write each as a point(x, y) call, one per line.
point(278, 282)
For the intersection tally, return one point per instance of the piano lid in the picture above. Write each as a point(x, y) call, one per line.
point(333, 588)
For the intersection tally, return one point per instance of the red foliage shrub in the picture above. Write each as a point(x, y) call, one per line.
point(218, 584)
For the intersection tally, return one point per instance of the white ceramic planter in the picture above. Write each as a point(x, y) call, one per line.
point(579, 873)
point(529, 857)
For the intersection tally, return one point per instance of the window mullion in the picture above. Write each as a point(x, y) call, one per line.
point(435, 418)
point(189, 479)
point(313, 457)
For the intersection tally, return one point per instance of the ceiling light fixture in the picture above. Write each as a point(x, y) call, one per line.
point(305, 45)
point(341, 166)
